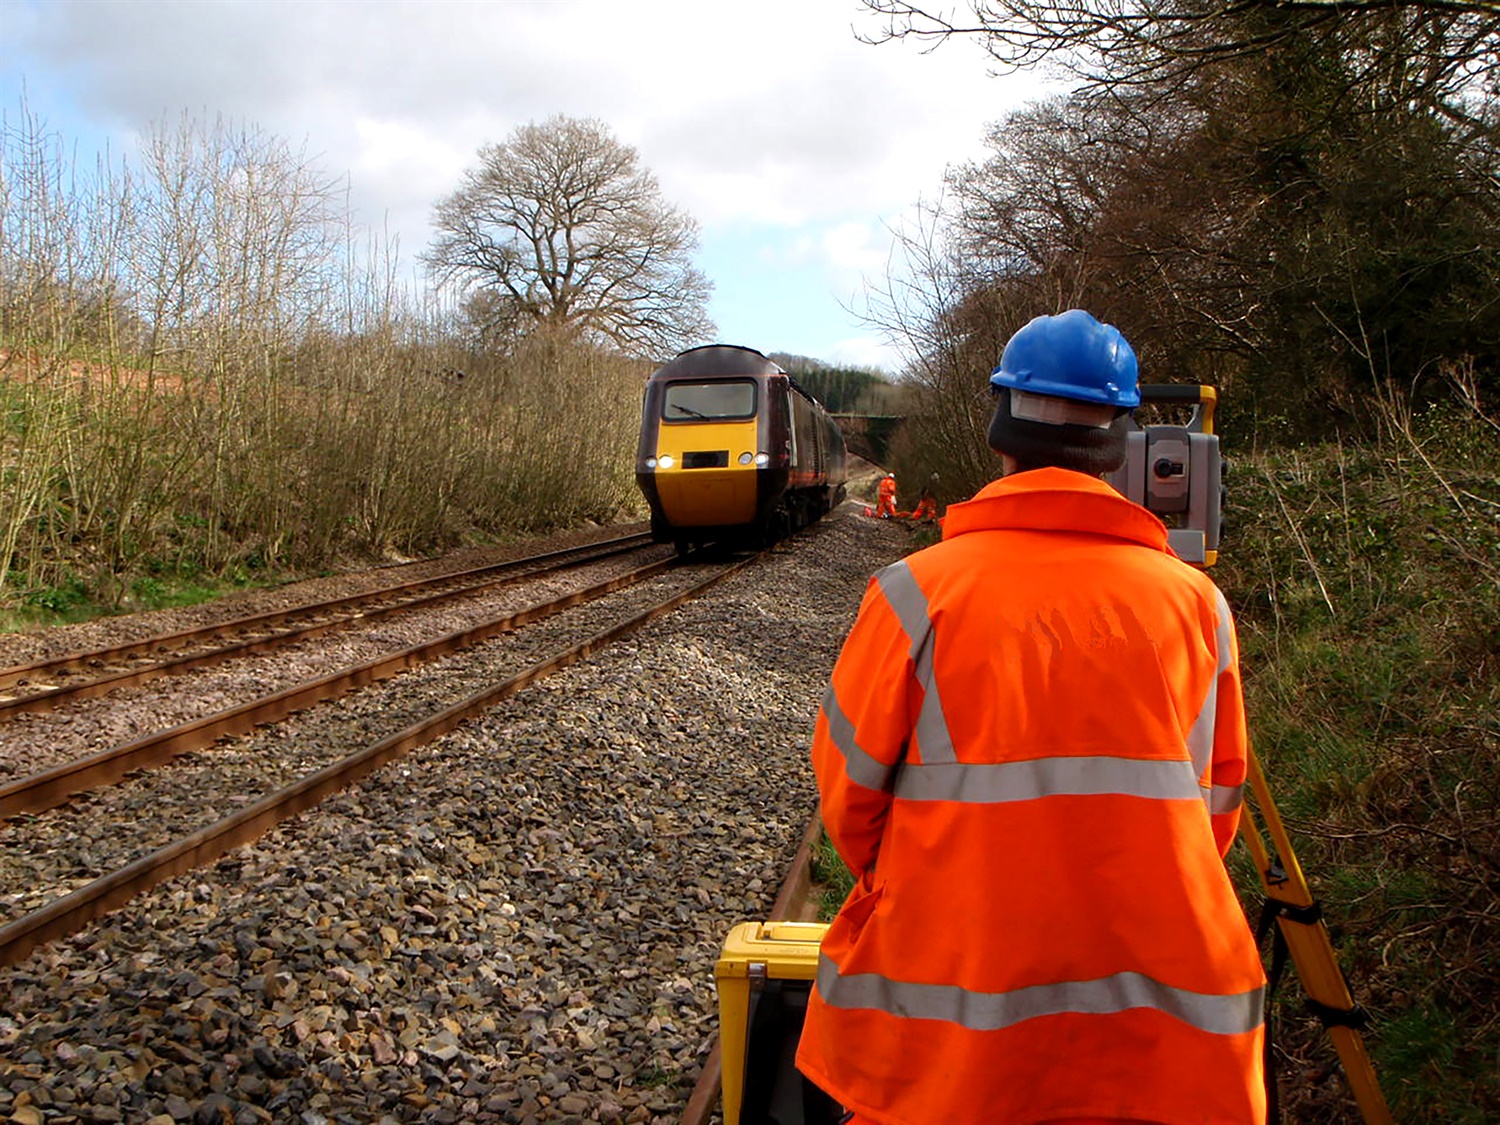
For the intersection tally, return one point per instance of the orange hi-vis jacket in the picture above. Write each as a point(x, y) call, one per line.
point(1031, 756)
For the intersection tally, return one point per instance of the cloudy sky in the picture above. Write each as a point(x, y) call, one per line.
point(794, 145)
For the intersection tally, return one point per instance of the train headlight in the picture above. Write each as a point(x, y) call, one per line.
point(665, 461)
point(650, 462)
point(762, 460)
point(746, 458)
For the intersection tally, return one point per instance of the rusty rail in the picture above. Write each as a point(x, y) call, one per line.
point(350, 607)
point(49, 788)
point(69, 914)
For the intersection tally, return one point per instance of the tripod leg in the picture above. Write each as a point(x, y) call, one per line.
point(1300, 920)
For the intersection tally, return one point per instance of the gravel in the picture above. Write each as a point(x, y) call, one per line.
point(33, 742)
point(517, 923)
point(28, 646)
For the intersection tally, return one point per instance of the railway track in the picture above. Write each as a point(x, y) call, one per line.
point(210, 682)
point(47, 788)
point(517, 921)
point(666, 583)
point(44, 685)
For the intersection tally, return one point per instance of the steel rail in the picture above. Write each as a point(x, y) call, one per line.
point(69, 914)
point(49, 697)
point(41, 791)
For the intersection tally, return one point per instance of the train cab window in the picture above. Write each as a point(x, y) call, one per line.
point(709, 402)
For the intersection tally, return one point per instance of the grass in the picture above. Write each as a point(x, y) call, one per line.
point(831, 880)
point(283, 464)
point(71, 602)
point(1367, 595)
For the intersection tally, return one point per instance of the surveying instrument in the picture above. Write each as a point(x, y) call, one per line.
point(766, 969)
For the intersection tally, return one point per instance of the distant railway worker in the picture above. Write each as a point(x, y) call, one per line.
point(926, 508)
point(885, 508)
point(1031, 757)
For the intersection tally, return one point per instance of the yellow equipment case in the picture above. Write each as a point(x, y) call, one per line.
point(765, 974)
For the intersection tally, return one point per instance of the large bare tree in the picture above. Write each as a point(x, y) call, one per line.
point(1448, 47)
point(1300, 194)
point(561, 227)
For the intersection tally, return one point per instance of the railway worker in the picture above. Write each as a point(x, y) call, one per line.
point(1031, 757)
point(926, 508)
point(886, 496)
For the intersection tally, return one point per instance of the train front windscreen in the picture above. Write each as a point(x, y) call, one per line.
point(709, 402)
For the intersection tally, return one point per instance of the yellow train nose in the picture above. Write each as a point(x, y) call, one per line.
point(705, 473)
point(707, 497)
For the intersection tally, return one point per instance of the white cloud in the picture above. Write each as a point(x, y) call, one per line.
point(768, 115)
point(865, 351)
point(383, 146)
point(783, 249)
point(773, 112)
point(856, 247)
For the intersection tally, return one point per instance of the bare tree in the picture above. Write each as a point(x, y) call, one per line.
point(1299, 194)
point(1132, 206)
point(560, 226)
point(1115, 42)
point(950, 325)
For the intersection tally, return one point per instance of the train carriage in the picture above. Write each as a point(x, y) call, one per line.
point(733, 451)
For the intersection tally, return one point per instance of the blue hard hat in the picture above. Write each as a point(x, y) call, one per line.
point(1070, 355)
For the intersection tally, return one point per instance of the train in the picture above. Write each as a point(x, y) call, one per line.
point(734, 452)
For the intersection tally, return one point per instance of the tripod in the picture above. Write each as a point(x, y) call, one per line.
point(1299, 919)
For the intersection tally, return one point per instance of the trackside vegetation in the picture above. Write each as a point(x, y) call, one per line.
point(207, 379)
point(1366, 584)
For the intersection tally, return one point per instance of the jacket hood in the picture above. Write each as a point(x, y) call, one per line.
point(1053, 499)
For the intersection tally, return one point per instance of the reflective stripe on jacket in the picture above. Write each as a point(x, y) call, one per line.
point(1031, 756)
